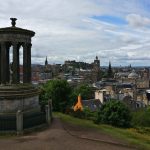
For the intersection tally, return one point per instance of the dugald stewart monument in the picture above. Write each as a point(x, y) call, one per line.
point(19, 102)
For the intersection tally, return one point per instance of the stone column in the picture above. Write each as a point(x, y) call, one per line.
point(7, 64)
point(27, 63)
point(0, 63)
point(16, 67)
point(3, 63)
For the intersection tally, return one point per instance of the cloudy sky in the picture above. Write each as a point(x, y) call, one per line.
point(115, 30)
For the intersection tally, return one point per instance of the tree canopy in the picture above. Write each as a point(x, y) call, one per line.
point(84, 90)
point(115, 113)
point(58, 91)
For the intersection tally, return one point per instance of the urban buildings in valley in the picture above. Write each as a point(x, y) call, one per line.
point(127, 84)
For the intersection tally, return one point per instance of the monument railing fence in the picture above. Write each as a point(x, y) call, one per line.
point(21, 121)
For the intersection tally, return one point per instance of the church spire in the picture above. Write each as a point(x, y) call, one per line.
point(46, 62)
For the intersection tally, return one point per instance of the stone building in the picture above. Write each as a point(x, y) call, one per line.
point(46, 72)
point(140, 78)
point(103, 95)
point(91, 104)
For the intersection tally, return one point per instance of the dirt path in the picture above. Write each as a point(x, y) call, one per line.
point(58, 138)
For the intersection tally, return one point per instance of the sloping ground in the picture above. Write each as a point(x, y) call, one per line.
point(93, 134)
point(58, 138)
point(137, 137)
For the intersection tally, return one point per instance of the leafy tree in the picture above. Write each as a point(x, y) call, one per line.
point(83, 89)
point(43, 98)
point(114, 113)
point(58, 91)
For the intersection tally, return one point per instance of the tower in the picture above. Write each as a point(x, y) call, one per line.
point(97, 62)
point(96, 69)
point(46, 62)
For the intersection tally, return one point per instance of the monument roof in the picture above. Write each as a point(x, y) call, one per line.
point(16, 30)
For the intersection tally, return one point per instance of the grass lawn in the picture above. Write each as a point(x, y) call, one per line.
point(135, 137)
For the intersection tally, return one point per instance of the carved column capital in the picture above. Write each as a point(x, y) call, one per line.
point(14, 43)
point(26, 45)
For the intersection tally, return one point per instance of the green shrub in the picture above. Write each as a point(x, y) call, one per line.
point(84, 90)
point(85, 114)
point(58, 91)
point(114, 113)
point(141, 118)
point(90, 115)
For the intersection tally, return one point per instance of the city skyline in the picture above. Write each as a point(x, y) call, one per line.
point(78, 30)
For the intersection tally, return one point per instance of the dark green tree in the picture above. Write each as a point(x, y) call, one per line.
point(83, 89)
point(58, 91)
point(114, 113)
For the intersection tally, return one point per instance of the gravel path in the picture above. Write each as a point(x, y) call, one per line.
point(61, 137)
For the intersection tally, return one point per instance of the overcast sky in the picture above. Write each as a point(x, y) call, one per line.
point(115, 30)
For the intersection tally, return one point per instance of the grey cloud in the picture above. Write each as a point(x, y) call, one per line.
point(65, 30)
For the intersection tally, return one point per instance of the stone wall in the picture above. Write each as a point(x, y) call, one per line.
point(7, 106)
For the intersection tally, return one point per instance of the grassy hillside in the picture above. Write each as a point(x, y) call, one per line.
point(138, 137)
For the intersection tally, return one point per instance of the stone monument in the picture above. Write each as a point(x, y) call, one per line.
point(14, 95)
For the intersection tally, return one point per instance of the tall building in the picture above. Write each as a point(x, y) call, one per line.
point(96, 70)
point(47, 73)
point(97, 62)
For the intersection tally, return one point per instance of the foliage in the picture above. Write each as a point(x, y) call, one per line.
point(83, 89)
point(143, 130)
point(78, 114)
point(62, 95)
point(58, 91)
point(114, 113)
point(85, 114)
point(141, 118)
point(90, 115)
